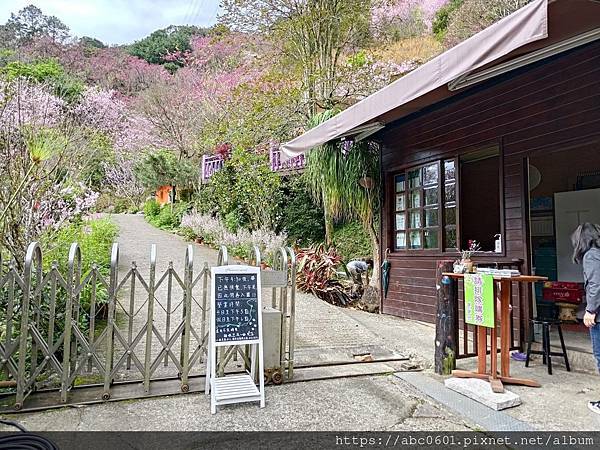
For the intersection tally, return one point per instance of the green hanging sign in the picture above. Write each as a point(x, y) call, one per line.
point(479, 300)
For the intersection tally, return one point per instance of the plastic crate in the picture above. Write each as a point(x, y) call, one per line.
point(564, 295)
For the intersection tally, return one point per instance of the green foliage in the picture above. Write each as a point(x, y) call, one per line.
point(351, 241)
point(168, 217)
point(162, 168)
point(39, 71)
point(247, 187)
point(159, 44)
point(47, 71)
point(95, 239)
point(91, 42)
point(442, 18)
point(334, 177)
point(301, 217)
point(188, 233)
point(68, 87)
point(151, 209)
point(233, 221)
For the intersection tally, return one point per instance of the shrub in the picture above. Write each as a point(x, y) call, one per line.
point(240, 243)
point(188, 233)
point(442, 18)
point(245, 186)
point(95, 239)
point(151, 209)
point(301, 218)
point(351, 241)
point(168, 217)
point(317, 269)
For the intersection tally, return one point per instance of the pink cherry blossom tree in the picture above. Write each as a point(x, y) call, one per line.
point(403, 18)
point(41, 153)
point(121, 180)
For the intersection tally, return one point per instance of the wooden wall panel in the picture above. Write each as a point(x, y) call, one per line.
point(550, 105)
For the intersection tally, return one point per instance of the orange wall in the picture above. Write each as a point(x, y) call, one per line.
point(162, 194)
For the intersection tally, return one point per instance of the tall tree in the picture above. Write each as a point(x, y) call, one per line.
point(30, 23)
point(314, 34)
point(167, 46)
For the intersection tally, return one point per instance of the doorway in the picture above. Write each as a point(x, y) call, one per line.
point(564, 191)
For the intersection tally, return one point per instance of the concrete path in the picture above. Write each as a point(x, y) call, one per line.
point(323, 332)
point(365, 403)
point(136, 237)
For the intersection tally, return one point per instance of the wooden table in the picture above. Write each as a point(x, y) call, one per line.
point(503, 286)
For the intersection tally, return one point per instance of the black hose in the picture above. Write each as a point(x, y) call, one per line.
point(24, 440)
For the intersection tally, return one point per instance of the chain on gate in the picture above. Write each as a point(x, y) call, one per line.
point(62, 330)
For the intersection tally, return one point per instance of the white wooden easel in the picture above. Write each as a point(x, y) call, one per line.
point(240, 387)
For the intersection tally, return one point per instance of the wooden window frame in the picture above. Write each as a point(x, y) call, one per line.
point(442, 249)
point(422, 208)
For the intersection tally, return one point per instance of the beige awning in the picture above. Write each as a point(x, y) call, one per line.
point(523, 31)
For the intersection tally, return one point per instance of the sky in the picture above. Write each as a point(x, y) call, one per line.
point(120, 21)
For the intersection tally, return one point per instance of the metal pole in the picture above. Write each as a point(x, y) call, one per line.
point(169, 297)
point(131, 312)
point(112, 298)
point(185, 338)
point(292, 320)
point(74, 259)
point(33, 251)
point(150, 319)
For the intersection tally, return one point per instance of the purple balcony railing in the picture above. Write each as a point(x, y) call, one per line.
point(295, 163)
point(211, 164)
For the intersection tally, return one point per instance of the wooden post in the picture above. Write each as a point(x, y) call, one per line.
point(445, 326)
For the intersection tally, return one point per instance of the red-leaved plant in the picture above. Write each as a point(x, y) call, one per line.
point(317, 274)
point(223, 150)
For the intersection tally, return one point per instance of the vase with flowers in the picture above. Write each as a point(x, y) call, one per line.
point(466, 264)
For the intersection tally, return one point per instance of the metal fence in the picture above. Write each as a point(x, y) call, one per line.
point(62, 328)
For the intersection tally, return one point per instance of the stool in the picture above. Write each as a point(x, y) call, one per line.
point(545, 352)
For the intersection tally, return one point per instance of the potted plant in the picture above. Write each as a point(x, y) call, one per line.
point(466, 263)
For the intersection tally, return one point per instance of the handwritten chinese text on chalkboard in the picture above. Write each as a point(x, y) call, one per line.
point(236, 307)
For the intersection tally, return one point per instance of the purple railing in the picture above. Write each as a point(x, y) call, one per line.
point(211, 164)
point(295, 163)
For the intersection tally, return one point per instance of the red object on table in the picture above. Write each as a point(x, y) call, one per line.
point(563, 285)
point(563, 295)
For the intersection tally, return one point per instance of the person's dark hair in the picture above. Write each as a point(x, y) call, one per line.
point(586, 236)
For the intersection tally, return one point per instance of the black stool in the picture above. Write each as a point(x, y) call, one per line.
point(545, 352)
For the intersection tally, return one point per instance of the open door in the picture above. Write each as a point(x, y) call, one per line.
point(570, 210)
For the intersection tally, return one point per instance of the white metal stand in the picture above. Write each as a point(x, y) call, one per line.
point(237, 388)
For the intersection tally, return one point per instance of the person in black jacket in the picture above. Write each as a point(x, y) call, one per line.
point(586, 244)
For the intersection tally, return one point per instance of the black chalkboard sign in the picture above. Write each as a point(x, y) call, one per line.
point(236, 306)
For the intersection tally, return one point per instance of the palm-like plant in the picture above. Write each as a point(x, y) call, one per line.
point(344, 177)
point(41, 145)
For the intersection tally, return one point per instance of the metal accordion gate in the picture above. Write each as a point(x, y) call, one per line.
point(63, 329)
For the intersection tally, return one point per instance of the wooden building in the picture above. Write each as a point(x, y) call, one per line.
point(459, 170)
point(497, 140)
